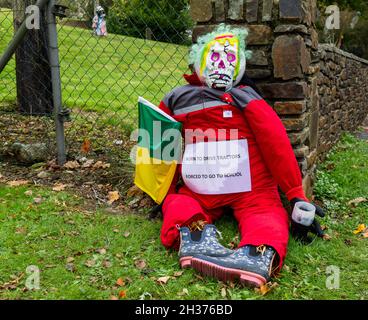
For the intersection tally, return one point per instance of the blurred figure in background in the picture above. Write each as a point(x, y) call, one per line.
point(99, 22)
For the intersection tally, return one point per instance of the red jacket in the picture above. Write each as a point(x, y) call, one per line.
point(272, 160)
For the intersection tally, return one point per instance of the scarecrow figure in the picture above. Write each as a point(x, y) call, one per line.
point(236, 155)
point(99, 22)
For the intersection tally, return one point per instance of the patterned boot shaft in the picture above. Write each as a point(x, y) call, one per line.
point(208, 243)
point(253, 265)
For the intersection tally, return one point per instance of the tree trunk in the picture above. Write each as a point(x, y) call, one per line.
point(34, 89)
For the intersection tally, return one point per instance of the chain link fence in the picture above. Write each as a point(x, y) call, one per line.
point(101, 76)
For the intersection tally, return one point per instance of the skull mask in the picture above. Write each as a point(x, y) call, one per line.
point(221, 64)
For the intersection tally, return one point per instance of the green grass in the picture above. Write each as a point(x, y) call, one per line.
point(47, 234)
point(105, 74)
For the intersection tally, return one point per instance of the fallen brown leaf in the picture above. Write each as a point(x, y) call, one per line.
point(134, 191)
point(90, 263)
point(70, 259)
point(120, 282)
point(113, 196)
point(263, 290)
point(86, 146)
point(178, 273)
point(122, 294)
point(28, 193)
point(101, 165)
point(326, 237)
point(126, 234)
point(101, 251)
point(199, 277)
point(43, 175)
point(140, 264)
point(71, 165)
point(134, 203)
point(106, 264)
point(223, 292)
point(359, 229)
point(266, 288)
point(37, 200)
point(70, 267)
point(12, 285)
point(163, 280)
point(356, 201)
point(59, 187)
point(21, 230)
point(17, 183)
point(88, 164)
point(146, 202)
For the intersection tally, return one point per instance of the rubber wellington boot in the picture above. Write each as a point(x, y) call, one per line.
point(251, 265)
point(203, 242)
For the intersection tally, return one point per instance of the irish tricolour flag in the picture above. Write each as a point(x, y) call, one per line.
point(158, 150)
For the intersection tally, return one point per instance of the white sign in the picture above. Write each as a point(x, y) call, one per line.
point(217, 167)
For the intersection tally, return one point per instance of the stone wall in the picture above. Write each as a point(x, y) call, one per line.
point(343, 91)
point(286, 65)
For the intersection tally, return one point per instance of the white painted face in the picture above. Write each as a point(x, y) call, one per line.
point(221, 65)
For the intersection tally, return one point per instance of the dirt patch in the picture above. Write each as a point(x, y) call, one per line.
point(98, 167)
point(97, 182)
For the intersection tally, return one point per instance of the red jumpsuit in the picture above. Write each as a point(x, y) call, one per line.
point(261, 216)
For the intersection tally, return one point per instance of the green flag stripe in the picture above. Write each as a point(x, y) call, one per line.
point(159, 134)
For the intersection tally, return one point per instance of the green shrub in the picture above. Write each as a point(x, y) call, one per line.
point(168, 21)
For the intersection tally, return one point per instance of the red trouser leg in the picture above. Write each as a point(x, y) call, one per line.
point(180, 209)
point(263, 221)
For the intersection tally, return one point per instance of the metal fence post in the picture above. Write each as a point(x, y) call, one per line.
point(56, 83)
